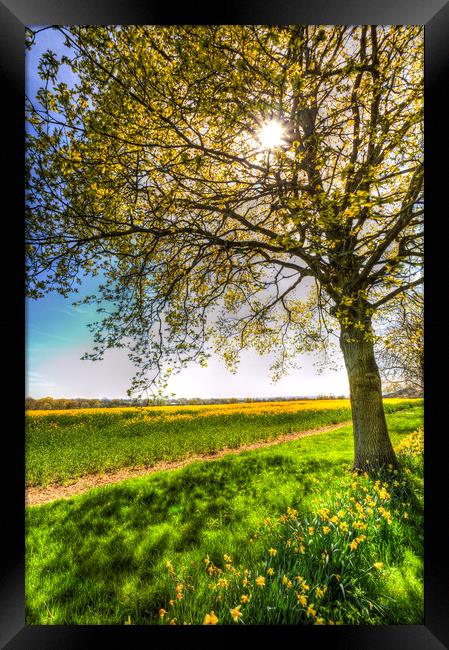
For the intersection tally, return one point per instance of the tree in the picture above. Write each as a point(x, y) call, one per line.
point(400, 350)
point(150, 172)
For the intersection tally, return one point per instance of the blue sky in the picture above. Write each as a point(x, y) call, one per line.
point(57, 336)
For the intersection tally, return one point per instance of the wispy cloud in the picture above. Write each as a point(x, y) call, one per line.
point(38, 380)
point(50, 335)
point(71, 311)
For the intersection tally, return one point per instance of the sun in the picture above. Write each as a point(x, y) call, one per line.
point(271, 135)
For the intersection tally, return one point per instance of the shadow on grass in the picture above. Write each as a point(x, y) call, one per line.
point(113, 542)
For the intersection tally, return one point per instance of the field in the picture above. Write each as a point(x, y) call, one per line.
point(220, 542)
point(61, 446)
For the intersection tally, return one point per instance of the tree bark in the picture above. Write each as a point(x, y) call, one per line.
point(372, 445)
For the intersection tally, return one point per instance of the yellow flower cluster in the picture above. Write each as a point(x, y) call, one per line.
point(286, 582)
point(386, 514)
point(320, 591)
point(344, 526)
point(210, 619)
point(355, 542)
point(310, 608)
point(324, 513)
point(256, 408)
point(413, 444)
point(302, 583)
point(381, 489)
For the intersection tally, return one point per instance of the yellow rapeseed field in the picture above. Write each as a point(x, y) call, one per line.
point(192, 410)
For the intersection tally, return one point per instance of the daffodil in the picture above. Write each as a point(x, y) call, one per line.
point(310, 610)
point(210, 619)
point(260, 581)
point(320, 591)
point(236, 613)
point(302, 599)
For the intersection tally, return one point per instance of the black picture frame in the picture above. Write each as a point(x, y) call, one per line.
point(14, 16)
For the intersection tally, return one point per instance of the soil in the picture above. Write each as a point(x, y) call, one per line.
point(39, 495)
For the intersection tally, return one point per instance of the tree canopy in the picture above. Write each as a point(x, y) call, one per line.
point(150, 172)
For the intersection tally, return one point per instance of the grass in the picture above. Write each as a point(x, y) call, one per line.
point(325, 568)
point(62, 446)
point(101, 558)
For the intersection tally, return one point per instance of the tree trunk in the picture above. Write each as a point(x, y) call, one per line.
point(372, 444)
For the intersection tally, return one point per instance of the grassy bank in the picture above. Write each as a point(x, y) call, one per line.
point(101, 558)
point(61, 446)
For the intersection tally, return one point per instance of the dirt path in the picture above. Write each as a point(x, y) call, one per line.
point(38, 495)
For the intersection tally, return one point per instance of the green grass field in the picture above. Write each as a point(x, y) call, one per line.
point(101, 558)
point(61, 446)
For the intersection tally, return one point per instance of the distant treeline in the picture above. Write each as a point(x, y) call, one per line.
point(47, 403)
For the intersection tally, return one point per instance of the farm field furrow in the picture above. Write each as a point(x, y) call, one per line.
point(38, 494)
point(62, 446)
